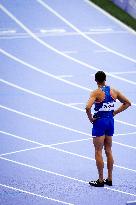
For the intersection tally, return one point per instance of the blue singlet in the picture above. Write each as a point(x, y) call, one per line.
point(104, 125)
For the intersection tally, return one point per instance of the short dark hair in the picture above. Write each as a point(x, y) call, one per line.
point(100, 77)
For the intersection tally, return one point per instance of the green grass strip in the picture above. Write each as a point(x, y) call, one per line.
point(117, 12)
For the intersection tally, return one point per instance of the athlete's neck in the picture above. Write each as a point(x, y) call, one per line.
point(100, 85)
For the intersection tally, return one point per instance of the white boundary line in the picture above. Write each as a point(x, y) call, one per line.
point(43, 170)
point(44, 72)
point(125, 72)
point(89, 158)
point(43, 120)
point(25, 35)
point(110, 16)
point(64, 151)
point(22, 150)
point(33, 194)
point(46, 145)
point(61, 175)
point(81, 33)
point(55, 144)
point(20, 138)
point(65, 76)
point(60, 143)
point(55, 50)
point(55, 101)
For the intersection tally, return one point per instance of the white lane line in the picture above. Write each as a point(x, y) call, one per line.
point(37, 143)
point(39, 95)
point(22, 150)
point(70, 52)
point(7, 32)
point(54, 124)
point(44, 121)
point(55, 30)
point(51, 146)
point(131, 203)
point(63, 151)
point(33, 194)
point(61, 175)
point(110, 16)
point(76, 104)
point(65, 76)
point(43, 170)
point(25, 35)
point(124, 72)
point(85, 157)
point(55, 101)
point(44, 72)
point(82, 34)
point(20, 138)
point(101, 29)
point(129, 133)
point(101, 51)
point(55, 50)
point(41, 144)
point(64, 142)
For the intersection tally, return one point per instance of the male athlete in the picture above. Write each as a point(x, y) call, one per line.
point(104, 99)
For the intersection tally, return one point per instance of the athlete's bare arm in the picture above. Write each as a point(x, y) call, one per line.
point(90, 102)
point(125, 102)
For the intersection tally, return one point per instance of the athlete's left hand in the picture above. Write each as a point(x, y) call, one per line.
point(93, 120)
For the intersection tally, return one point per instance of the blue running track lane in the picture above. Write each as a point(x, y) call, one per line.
point(49, 53)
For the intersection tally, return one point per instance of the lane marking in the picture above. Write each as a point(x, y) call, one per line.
point(55, 30)
point(64, 151)
point(20, 138)
point(76, 104)
point(54, 124)
point(44, 72)
point(101, 51)
point(7, 32)
point(39, 95)
point(22, 150)
point(33, 194)
point(25, 35)
point(59, 143)
point(81, 33)
point(64, 142)
point(65, 76)
point(101, 29)
point(43, 120)
point(110, 16)
point(89, 158)
point(61, 175)
point(41, 71)
point(55, 101)
point(124, 72)
point(51, 146)
point(43, 170)
point(70, 52)
point(55, 50)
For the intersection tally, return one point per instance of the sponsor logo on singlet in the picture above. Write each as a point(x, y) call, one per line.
point(107, 106)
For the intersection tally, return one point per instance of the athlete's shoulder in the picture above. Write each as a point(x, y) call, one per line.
point(114, 93)
point(96, 92)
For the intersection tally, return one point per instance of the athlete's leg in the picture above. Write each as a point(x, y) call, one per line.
point(98, 144)
point(108, 152)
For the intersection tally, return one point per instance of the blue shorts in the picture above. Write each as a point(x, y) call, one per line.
point(103, 126)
